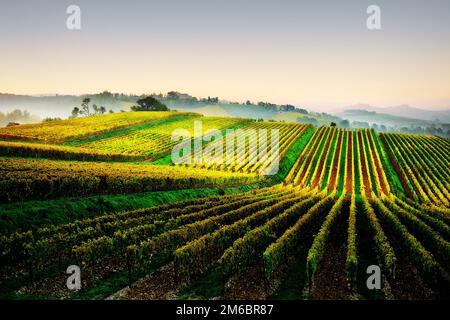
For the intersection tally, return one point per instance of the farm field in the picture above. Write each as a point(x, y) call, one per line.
point(342, 200)
point(156, 141)
point(59, 152)
point(247, 144)
point(423, 164)
point(344, 161)
point(25, 179)
point(62, 130)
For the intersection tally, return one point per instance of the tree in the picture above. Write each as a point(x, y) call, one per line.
point(102, 110)
point(75, 112)
point(49, 119)
point(85, 107)
point(111, 111)
point(333, 124)
point(95, 107)
point(172, 95)
point(149, 104)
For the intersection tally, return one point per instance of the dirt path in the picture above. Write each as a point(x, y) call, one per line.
point(377, 163)
point(55, 285)
point(367, 256)
point(330, 280)
point(364, 170)
point(407, 285)
point(323, 158)
point(349, 180)
point(248, 285)
point(334, 167)
point(160, 285)
point(311, 154)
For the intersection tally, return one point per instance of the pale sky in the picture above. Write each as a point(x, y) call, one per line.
point(317, 54)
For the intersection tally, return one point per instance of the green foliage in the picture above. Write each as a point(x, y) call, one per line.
point(37, 214)
point(92, 239)
point(26, 179)
point(279, 250)
point(197, 256)
point(393, 179)
point(161, 248)
point(32, 150)
point(294, 151)
point(423, 260)
point(149, 104)
point(429, 237)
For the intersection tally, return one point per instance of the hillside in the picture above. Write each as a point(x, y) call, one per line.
point(60, 106)
point(407, 111)
point(386, 119)
point(98, 192)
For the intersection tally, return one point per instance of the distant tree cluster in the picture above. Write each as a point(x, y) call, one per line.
point(210, 100)
point(85, 109)
point(149, 104)
point(17, 116)
point(442, 130)
point(49, 119)
point(188, 99)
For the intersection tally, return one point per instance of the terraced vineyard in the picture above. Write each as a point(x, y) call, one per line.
point(343, 161)
point(246, 147)
point(346, 200)
point(251, 240)
point(423, 165)
point(25, 179)
point(156, 141)
point(38, 150)
point(62, 130)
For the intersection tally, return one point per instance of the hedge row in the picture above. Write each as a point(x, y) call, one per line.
point(199, 255)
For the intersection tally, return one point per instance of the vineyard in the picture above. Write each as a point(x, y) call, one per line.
point(57, 152)
point(342, 200)
point(25, 179)
point(246, 147)
point(248, 240)
point(343, 161)
point(156, 141)
point(62, 130)
point(423, 164)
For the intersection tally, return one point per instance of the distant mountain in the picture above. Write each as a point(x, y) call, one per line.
point(406, 111)
point(371, 117)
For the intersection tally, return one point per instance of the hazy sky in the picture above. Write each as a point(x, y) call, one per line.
point(308, 53)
